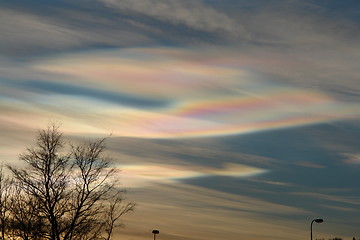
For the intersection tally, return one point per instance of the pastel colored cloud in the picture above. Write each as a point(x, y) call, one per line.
point(157, 73)
point(195, 96)
point(144, 174)
point(310, 165)
point(352, 158)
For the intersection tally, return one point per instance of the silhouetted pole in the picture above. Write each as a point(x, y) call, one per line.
point(155, 232)
point(318, 220)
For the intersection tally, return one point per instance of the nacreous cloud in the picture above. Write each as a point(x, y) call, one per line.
point(139, 175)
point(200, 95)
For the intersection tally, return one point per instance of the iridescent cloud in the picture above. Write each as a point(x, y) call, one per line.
point(352, 158)
point(172, 93)
point(144, 174)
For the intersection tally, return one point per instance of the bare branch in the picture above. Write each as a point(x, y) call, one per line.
point(65, 196)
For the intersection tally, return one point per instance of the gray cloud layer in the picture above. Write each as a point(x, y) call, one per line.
point(193, 14)
point(296, 25)
point(26, 32)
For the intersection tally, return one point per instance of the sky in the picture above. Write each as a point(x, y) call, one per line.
point(229, 119)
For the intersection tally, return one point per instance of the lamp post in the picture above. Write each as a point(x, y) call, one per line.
point(317, 220)
point(155, 232)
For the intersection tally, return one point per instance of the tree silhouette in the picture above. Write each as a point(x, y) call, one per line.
point(64, 195)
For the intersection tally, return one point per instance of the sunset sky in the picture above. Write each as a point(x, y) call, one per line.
point(230, 119)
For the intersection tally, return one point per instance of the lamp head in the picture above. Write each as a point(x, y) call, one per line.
point(319, 220)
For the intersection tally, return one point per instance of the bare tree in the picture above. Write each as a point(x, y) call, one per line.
point(115, 210)
point(68, 191)
point(25, 220)
point(4, 202)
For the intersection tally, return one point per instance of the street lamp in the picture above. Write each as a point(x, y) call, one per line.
point(155, 232)
point(317, 220)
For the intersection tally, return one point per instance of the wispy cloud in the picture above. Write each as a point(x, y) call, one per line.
point(229, 215)
point(310, 165)
point(194, 14)
point(145, 174)
point(353, 200)
point(352, 158)
point(25, 33)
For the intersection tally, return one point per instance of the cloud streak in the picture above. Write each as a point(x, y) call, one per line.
point(145, 174)
point(26, 33)
point(193, 14)
point(220, 210)
point(22, 31)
